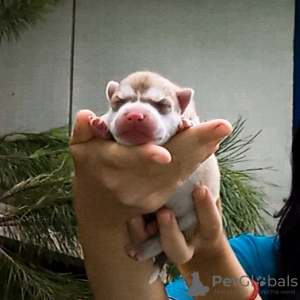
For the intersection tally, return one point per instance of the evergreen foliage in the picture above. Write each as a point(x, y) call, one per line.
point(18, 15)
point(35, 180)
point(242, 201)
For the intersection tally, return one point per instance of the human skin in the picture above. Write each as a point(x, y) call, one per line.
point(113, 184)
point(207, 253)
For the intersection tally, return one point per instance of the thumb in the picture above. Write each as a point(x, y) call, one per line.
point(212, 131)
point(82, 131)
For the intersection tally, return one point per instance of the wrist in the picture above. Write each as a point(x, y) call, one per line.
point(96, 202)
point(221, 264)
point(214, 254)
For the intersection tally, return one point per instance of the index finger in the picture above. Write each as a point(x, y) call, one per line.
point(172, 239)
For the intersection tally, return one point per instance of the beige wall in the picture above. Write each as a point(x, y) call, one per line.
point(236, 54)
point(34, 75)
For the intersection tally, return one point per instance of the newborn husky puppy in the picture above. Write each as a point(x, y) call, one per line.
point(146, 107)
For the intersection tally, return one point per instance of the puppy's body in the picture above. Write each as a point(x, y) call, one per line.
point(145, 107)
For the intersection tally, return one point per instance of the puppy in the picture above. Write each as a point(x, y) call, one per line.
point(146, 107)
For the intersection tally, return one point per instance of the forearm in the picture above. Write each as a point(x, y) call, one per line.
point(111, 273)
point(221, 272)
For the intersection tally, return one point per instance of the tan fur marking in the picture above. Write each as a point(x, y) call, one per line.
point(142, 81)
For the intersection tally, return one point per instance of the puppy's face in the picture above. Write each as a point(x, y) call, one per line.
point(143, 111)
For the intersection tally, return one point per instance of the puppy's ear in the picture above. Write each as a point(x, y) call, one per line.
point(111, 88)
point(184, 97)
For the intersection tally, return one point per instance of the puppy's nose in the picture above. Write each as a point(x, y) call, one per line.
point(135, 116)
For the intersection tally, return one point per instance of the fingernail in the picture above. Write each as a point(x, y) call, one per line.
point(161, 159)
point(225, 128)
point(165, 218)
point(201, 190)
point(204, 191)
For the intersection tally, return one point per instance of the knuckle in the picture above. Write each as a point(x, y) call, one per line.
point(78, 153)
point(187, 257)
point(182, 258)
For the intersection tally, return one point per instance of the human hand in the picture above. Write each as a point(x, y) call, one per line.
point(140, 176)
point(112, 183)
point(208, 233)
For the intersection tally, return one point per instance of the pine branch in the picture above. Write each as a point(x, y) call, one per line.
point(242, 203)
point(22, 280)
point(43, 214)
point(18, 15)
point(242, 200)
point(28, 155)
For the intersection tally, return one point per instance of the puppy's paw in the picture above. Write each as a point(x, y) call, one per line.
point(100, 128)
point(133, 251)
point(185, 124)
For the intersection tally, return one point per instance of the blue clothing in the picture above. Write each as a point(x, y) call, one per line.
point(257, 255)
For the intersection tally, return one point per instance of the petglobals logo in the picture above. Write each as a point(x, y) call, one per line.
point(196, 287)
point(272, 282)
point(221, 286)
point(261, 281)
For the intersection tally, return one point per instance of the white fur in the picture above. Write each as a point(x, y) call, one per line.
point(154, 93)
point(167, 124)
point(207, 173)
point(126, 91)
